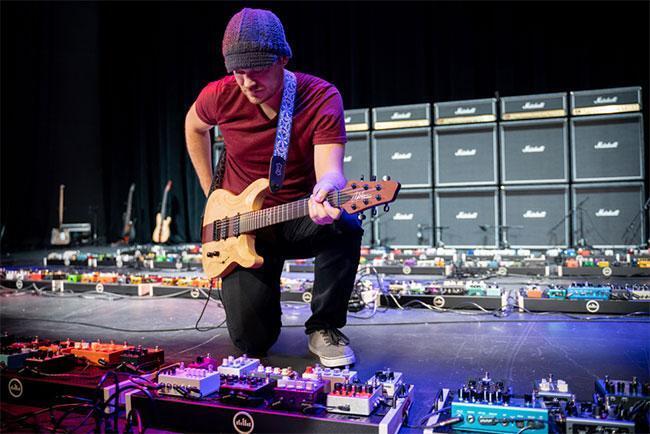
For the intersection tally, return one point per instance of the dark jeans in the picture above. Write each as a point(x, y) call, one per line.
point(251, 296)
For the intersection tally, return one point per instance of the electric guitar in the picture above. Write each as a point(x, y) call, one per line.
point(229, 220)
point(128, 229)
point(60, 236)
point(161, 232)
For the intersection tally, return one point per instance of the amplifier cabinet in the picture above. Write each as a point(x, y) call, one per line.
point(357, 120)
point(404, 155)
point(465, 155)
point(409, 223)
point(403, 116)
point(534, 152)
point(608, 214)
point(548, 105)
point(605, 101)
point(468, 217)
point(607, 148)
point(465, 112)
point(356, 161)
point(536, 216)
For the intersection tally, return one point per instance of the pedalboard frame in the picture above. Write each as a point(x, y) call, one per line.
point(185, 415)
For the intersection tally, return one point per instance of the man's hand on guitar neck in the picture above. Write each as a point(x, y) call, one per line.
point(320, 211)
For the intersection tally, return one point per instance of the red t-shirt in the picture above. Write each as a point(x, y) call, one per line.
point(250, 136)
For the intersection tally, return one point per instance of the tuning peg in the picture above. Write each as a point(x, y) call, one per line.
point(386, 208)
point(362, 216)
point(373, 178)
point(386, 178)
point(373, 212)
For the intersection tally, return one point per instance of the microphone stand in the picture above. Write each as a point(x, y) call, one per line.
point(440, 228)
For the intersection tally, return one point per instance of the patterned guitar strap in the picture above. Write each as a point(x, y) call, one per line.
point(283, 133)
point(282, 139)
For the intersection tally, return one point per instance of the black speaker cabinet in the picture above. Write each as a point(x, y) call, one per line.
point(534, 152)
point(356, 161)
point(465, 155)
point(535, 216)
point(608, 214)
point(467, 217)
point(607, 148)
point(409, 223)
point(404, 155)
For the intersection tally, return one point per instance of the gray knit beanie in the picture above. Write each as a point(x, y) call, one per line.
point(254, 38)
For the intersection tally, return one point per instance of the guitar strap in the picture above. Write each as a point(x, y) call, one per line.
point(283, 132)
point(282, 139)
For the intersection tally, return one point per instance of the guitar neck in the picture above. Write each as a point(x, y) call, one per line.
point(254, 220)
point(61, 205)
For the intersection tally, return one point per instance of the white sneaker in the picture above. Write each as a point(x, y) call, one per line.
point(332, 347)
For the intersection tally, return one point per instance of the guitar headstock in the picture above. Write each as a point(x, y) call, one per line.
point(360, 195)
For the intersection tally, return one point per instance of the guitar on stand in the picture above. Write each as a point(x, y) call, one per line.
point(161, 232)
point(229, 220)
point(128, 228)
point(60, 236)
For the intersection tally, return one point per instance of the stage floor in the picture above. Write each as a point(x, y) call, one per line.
point(434, 350)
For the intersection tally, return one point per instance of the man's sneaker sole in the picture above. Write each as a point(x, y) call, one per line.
point(333, 362)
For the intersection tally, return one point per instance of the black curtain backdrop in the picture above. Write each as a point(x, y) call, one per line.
point(94, 94)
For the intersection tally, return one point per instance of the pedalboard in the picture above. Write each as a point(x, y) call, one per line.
point(187, 382)
point(388, 381)
point(299, 394)
point(332, 376)
point(195, 415)
point(47, 362)
point(143, 357)
point(14, 358)
point(240, 366)
point(487, 406)
point(353, 398)
point(99, 353)
point(246, 385)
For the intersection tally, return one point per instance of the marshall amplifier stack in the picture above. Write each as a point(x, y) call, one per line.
point(401, 148)
point(465, 154)
point(607, 162)
point(532, 171)
point(534, 166)
point(357, 161)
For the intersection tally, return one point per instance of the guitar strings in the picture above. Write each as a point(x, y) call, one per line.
point(257, 215)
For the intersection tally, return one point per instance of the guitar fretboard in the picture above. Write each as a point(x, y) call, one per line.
point(253, 220)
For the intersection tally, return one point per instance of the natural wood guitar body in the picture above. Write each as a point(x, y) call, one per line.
point(226, 254)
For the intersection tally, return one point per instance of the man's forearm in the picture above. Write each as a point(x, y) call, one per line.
point(198, 147)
